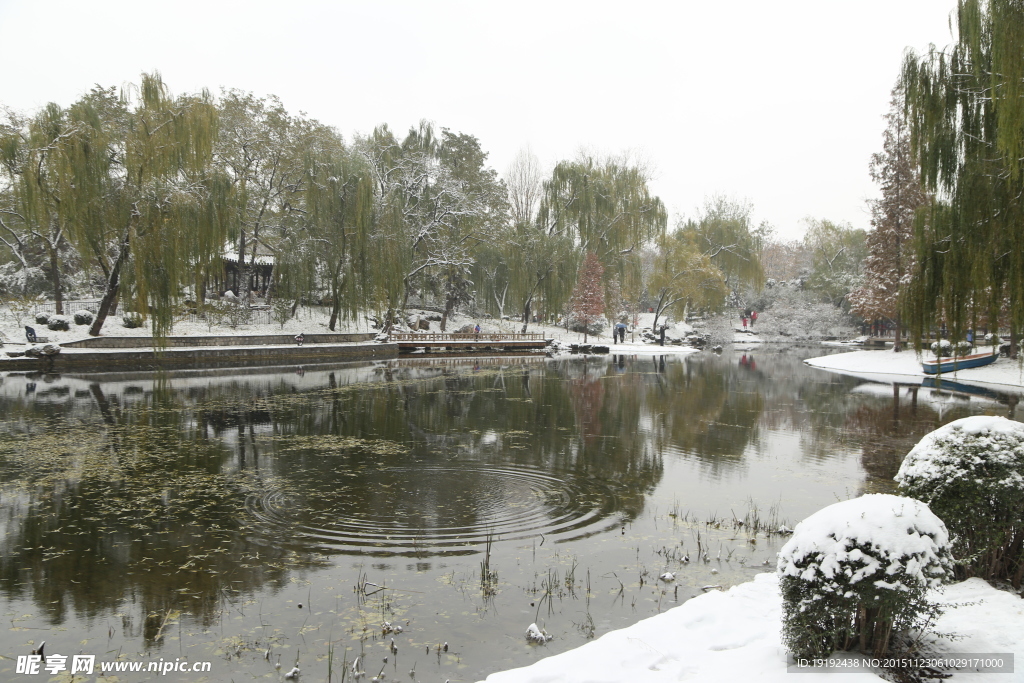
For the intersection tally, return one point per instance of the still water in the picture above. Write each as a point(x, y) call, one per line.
point(267, 517)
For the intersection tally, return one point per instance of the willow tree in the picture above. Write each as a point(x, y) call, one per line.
point(338, 218)
point(890, 264)
point(145, 205)
point(837, 252)
point(604, 207)
point(682, 277)
point(33, 154)
point(724, 233)
point(965, 105)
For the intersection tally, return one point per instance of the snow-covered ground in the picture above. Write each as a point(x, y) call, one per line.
point(314, 320)
point(905, 367)
point(736, 636)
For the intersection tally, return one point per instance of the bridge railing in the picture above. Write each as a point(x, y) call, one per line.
point(465, 336)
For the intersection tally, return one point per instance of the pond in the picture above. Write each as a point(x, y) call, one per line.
point(262, 517)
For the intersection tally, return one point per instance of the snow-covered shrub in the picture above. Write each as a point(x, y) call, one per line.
point(59, 323)
point(594, 327)
point(131, 320)
point(41, 317)
point(281, 310)
point(84, 317)
point(854, 575)
point(942, 347)
point(993, 339)
point(971, 473)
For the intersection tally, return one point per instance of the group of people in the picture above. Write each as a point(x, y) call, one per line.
point(748, 316)
point(619, 333)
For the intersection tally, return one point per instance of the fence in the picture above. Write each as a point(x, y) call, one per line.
point(252, 316)
point(70, 307)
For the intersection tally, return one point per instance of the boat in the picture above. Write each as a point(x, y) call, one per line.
point(954, 363)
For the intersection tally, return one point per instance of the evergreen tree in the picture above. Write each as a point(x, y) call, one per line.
point(587, 303)
point(890, 264)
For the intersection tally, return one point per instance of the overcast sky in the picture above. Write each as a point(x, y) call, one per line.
point(776, 103)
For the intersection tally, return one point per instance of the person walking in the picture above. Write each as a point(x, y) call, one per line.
point(753, 319)
point(743, 319)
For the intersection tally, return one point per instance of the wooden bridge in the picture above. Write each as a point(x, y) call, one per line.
point(463, 341)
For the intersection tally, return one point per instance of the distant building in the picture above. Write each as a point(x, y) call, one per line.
point(261, 276)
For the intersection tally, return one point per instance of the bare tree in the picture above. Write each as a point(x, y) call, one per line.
point(523, 181)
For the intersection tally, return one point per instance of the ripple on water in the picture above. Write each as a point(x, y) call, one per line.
point(434, 509)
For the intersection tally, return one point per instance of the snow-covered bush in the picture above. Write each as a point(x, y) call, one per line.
point(942, 347)
point(41, 317)
point(84, 317)
point(594, 327)
point(993, 339)
point(281, 310)
point(971, 473)
point(854, 575)
point(59, 323)
point(131, 320)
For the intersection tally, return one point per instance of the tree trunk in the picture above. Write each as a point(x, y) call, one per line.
point(334, 314)
point(897, 344)
point(243, 272)
point(113, 286)
point(58, 293)
point(526, 314)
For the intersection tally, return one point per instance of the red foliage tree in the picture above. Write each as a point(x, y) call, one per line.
point(587, 302)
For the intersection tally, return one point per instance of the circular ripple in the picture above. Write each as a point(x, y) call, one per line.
point(411, 510)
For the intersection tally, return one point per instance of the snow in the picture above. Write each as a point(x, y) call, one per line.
point(938, 455)
point(736, 636)
point(314, 320)
point(905, 367)
point(879, 537)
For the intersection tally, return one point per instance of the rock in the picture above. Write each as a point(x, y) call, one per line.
point(534, 634)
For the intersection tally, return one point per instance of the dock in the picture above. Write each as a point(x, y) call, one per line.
point(471, 341)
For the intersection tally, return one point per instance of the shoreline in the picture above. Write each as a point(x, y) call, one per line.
point(736, 635)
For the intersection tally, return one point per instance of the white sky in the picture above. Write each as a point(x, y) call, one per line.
point(777, 103)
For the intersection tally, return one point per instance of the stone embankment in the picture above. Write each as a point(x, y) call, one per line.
point(105, 354)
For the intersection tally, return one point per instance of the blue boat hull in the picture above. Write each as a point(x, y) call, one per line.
point(934, 367)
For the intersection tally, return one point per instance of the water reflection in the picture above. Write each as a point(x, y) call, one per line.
point(140, 495)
